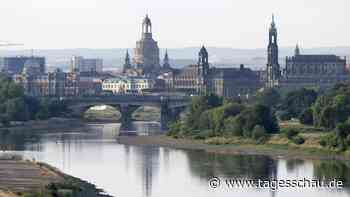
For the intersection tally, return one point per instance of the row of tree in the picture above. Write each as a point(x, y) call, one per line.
point(329, 110)
point(15, 106)
point(210, 115)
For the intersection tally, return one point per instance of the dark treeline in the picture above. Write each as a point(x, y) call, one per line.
point(15, 106)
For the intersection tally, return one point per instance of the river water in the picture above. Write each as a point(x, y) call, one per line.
point(138, 171)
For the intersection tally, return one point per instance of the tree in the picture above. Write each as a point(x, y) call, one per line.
point(328, 117)
point(257, 115)
point(199, 105)
point(16, 109)
point(269, 97)
point(259, 132)
point(306, 117)
point(295, 102)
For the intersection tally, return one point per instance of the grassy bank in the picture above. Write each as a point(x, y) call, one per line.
point(276, 146)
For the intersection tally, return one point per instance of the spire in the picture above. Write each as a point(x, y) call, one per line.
point(166, 55)
point(127, 64)
point(166, 63)
point(297, 50)
point(273, 24)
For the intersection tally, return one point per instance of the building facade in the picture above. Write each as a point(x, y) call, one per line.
point(127, 85)
point(146, 53)
point(227, 82)
point(15, 65)
point(82, 65)
point(303, 70)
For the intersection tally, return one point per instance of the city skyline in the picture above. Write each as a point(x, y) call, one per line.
point(91, 24)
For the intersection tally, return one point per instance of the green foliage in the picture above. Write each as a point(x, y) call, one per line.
point(343, 130)
point(290, 132)
point(298, 140)
point(259, 133)
point(306, 117)
point(199, 105)
point(257, 115)
point(175, 128)
point(269, 97)
point(295, 102)
point(329, 140)
point(333, 107)
point(232, 127)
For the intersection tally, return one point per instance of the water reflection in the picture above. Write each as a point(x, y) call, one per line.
point(139, 171)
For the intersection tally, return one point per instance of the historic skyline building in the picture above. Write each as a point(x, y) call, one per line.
point(146, 53)
point(273, 67)
point(227, 82)
point(302, 70)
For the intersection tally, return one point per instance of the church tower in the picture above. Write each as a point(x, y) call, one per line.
point(166, 64)
point(127, 64)
point(273, 68)
point(147, 51)
point(297, 50)
point(203, 70)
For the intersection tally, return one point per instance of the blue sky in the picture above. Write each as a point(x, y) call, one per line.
point(176, 24)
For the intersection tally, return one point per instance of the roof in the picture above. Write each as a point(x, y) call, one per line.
point(316, 58)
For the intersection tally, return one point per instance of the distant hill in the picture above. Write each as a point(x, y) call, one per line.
point(114, 58)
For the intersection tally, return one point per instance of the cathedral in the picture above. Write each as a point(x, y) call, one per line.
point(302, 70)
point(146, 55)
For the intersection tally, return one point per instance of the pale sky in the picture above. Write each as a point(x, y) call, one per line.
point(177, 23)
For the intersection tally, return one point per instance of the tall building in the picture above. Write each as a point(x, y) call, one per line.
point(127, 65)
point(82, 65)
point(147, 51)
point(273, 70)
point(16, 65)
point(303, 70)
point(203, 70)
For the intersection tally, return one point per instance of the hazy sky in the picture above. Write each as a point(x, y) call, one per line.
point(176, 23)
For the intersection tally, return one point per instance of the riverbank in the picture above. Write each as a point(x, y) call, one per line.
point(52, 125)
point(237, 146)
point(28, 178)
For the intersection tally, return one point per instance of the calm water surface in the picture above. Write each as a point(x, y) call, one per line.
point(136, 171)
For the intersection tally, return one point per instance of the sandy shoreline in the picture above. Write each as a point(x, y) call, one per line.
point(18, 177)
point(231, 149)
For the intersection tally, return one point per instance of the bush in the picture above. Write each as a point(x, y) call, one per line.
point(258, 132)
point(290, 132)
point(347, 141)
point(232, 127)
point(306, 117)
point(203, 135)
point(298, 140)
point(330, 140)
point(247, 133)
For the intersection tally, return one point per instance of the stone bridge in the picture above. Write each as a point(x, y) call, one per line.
point(170, 106)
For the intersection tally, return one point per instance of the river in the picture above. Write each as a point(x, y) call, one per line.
point(139, 171)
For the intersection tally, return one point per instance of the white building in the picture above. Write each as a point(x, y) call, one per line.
point(82, 65)
point(125, 85)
